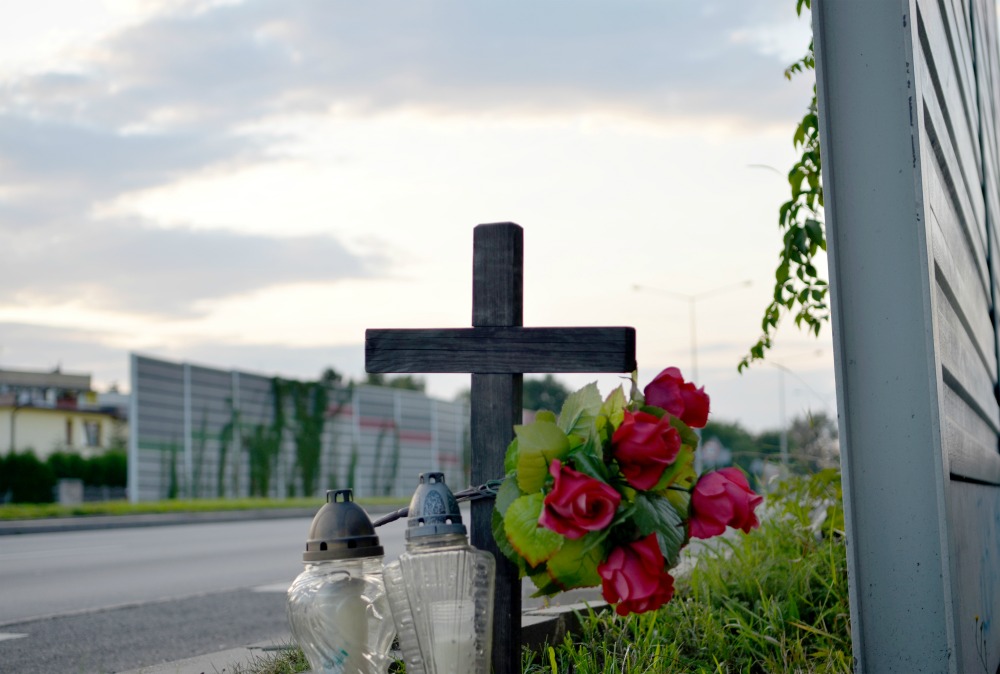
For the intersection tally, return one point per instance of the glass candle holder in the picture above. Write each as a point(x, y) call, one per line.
point(337, 608)
point(441, 588)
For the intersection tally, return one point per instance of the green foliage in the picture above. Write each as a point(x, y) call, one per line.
point(263, 445)
point(26, 478)
point(309, 402)
point(744, 446)
point(36, 511)
point(67, 465)
point(406, 382)
point(287, 660)
point(226, 435)
point(798, 287)
point(109, 469)
point(544, 394)
point(775, 601)
point(384, 477)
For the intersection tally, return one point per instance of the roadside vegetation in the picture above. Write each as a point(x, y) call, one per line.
point(771, 601)
point(22, 511)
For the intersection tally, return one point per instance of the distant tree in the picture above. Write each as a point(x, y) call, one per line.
point(738, 440)
point(331, 378)
point(544, 394)
point(407, 382)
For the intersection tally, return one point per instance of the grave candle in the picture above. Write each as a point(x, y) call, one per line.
point(337, 607)
point(441, 588)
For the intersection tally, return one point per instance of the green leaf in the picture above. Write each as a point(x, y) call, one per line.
point(507, 494)
point(575, 565)
point(580, 411)
point(589, 463)
point(537, 445)
point(681, 472)
point(500, 536)
point(613, 408)
point(688, 436)
point(654, 513)
point(510, 458)
point(545, 415)
point(546, 586)
point(533, 542)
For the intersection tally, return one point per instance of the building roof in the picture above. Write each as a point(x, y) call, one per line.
point(43, 380)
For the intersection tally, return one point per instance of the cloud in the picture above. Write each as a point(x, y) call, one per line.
point(145, 270)
point(189, 92)
point(39, 347)
point(241, 61)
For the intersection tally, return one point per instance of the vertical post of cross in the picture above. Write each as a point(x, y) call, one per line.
point(497, 301)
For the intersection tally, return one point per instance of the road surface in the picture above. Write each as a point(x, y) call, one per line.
point(120, 599)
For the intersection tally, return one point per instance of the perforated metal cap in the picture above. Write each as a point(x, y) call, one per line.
point(433, 509)
point(341, 530)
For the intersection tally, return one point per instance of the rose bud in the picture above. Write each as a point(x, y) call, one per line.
point(577, 503)
point(679, 398)
point(644, 446)
point(723, 498)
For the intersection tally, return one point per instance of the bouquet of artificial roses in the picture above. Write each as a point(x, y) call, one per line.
point(606, 494)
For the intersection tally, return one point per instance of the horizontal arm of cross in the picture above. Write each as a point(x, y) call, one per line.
point(500, 350)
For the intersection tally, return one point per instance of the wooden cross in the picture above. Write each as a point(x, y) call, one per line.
point(497, 351)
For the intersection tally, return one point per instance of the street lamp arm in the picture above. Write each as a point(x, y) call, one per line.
point(692, 297)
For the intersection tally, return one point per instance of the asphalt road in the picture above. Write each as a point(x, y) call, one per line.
point(121, 599)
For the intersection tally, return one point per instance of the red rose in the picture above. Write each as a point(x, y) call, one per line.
point(680, 398)
point(633, 577)
point(644, 446)
point(723, 498)
point(577, 503)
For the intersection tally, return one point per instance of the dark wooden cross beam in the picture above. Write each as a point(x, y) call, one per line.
point(497, 351)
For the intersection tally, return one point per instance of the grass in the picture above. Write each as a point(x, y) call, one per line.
point(280, 661)
point(772, 601)
point(25, 511)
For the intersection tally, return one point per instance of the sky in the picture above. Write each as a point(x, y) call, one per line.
point(252, 184)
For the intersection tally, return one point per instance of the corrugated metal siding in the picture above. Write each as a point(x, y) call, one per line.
point(957, 60)
point(908, 107)
point(957, 211)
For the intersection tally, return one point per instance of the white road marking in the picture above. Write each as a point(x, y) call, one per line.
point(274, 587)
point(4, 636)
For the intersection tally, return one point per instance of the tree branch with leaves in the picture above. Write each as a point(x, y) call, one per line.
point(799, 288)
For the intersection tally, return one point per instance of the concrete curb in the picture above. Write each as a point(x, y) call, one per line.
point(93, 522)
point(539, 627)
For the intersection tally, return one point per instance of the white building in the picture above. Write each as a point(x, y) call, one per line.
point(56, 411)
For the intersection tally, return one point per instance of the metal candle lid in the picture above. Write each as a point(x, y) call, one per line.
point(433, 509)
point(341, 530)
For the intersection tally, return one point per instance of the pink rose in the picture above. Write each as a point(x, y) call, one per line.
point(577, 503)
point(680, 398)
point(723, 498)
point(644, 446)
point(633, 577)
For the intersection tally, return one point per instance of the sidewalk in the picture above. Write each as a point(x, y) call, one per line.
point(538, 626)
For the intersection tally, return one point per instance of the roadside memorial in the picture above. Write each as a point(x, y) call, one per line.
point(534, 530)
point(497, 351)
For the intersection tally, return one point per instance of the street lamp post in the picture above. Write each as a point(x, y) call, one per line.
point(692, 301)
point(782, 369)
